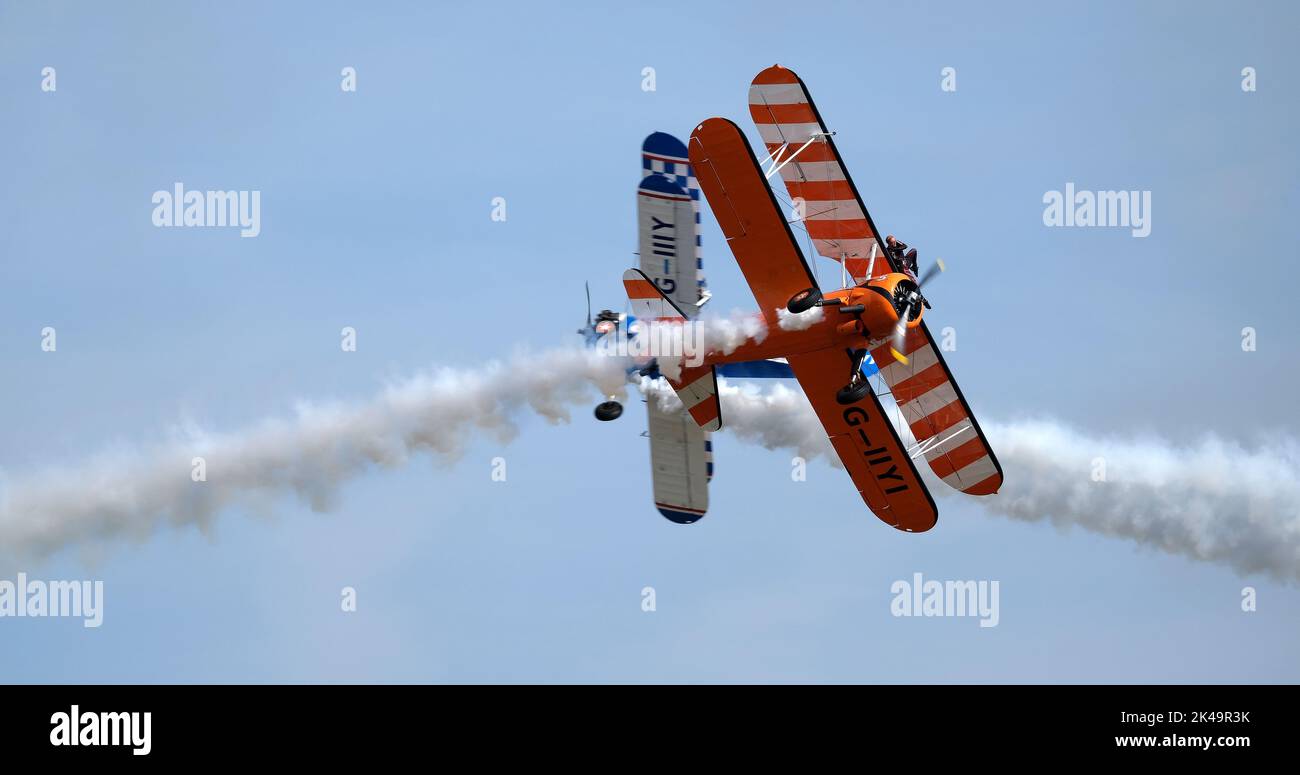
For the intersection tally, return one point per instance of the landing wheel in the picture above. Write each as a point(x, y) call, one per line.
point(610, 410)
point(853, 392)
point(804, 300)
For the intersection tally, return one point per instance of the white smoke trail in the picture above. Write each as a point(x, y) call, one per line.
point(129, 495)
point(799, 321)
point(777, 418)
point(1214, 501)
point(724, 335)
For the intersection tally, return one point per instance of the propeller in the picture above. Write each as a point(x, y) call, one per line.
point(935, 268)
point(900, 330)
point(586, 331)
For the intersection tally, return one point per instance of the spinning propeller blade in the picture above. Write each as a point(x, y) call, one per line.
point(935, 268)
point(900, 330)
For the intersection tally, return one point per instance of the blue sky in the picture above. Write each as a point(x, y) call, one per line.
point(375, 214)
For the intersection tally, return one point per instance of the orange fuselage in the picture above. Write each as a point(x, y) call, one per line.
point(836, 329)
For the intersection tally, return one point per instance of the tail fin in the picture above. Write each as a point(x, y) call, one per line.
point(697, 386)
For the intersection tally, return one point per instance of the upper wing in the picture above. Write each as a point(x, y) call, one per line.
point(765, 249)
point(749, 216)
point(835, 216)
point(663, 154)
point(867, 443)
point(937, 413)
point(680, 462)
point(666, 238)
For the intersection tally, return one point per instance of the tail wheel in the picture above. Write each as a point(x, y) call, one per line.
point(853, 392)
point(804, 300)
point(610, 410)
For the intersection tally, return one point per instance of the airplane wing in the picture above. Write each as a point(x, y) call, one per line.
point(666, 240)
point(937, 413)
point(767, 254)
point(867, 443)
point(749, 216)
point(842, 229)
point(663, 154)
point(681, 463)
point(799, 143)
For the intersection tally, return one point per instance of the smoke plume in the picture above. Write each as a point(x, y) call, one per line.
point(128, 495)
point(1214, 500)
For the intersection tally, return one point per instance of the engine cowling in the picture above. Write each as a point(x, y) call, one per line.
point(883, 300)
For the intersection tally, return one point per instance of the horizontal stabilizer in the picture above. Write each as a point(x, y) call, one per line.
point(696, 386)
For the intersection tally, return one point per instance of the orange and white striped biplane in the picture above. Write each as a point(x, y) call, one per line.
point(878, 312)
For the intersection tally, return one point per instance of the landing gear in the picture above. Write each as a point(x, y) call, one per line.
point(854, 392)
point(804, 300)
point(609, 410)
point(859, 386)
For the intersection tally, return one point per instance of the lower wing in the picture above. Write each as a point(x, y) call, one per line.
point(936, 412)
point(681, 463)
point(867, 443)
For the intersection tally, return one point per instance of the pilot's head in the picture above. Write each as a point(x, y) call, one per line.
point(606, 321)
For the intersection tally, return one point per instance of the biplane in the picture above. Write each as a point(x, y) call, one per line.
point(878, 313)
point(670, 251)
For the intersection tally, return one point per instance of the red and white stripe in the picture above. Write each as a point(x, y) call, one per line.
point(696, 386)
point(933, 410)
point(835, 220)
point(698, 390)
point(648, 303)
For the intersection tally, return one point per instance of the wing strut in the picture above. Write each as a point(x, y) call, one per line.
point(775, 157)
